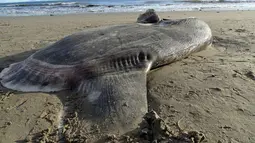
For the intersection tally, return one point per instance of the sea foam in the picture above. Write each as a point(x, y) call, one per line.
point(74, 7)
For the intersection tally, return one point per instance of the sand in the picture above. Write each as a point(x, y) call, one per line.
point(211, 91)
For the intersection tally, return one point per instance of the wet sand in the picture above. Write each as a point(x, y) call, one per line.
point(211, 91)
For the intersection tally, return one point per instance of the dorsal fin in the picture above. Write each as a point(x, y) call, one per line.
point(149, 16)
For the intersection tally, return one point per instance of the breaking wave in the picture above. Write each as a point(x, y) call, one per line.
point(103, 6)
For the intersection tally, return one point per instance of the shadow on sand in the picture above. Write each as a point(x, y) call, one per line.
point(64, 96)
point(6, 61)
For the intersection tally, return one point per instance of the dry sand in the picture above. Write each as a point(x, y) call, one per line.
point(211, 91)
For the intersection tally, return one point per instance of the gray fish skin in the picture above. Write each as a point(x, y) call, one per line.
point(169, 40)
point(107, 66)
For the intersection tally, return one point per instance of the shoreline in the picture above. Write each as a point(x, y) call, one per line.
point(211, 91)
point(59, 26)
point(135, 13)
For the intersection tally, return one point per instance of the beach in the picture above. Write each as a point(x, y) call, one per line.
point(211, 91)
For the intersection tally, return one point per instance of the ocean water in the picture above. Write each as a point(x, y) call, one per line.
point(103, 6)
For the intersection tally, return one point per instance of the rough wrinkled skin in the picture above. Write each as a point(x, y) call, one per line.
point(107, 69)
